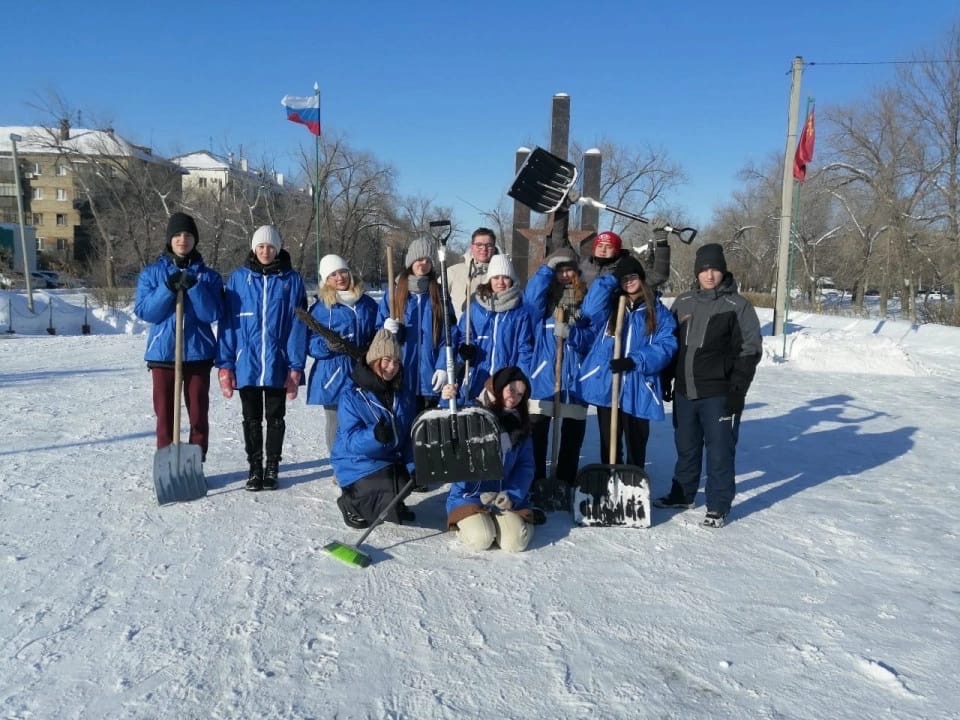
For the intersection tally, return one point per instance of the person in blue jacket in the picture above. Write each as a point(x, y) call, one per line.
point(413, 311)
point(373, 455)
point(262, 349)
point(553, 297)
point(180, 267)
point(500, 334)
point(343, 307)
point(648, 344)
point(499, 511)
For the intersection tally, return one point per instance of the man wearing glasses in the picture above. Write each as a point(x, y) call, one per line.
point(472, 272)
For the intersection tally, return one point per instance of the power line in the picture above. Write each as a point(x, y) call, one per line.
point(887, 62)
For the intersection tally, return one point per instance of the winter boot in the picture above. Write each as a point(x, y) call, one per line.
point(271, 472)
point(714, 519)
point(253, 443)
point(275, 432)
point(674, 500)
point(255, 479)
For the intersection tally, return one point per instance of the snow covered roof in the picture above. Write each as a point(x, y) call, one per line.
point(38, 140)
point(201, 160)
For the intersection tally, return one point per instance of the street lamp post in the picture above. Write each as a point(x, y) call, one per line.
point(14, 139)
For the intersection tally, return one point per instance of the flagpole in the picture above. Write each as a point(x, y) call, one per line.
point(794, 224)
point(786, 201)
point(316, 182)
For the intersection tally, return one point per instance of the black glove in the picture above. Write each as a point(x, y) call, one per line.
point(181, 280)
point(660, 236)
point(467, 353)
point(735, 401)
point(668, 392)
point(622, 365)
point(383, 432)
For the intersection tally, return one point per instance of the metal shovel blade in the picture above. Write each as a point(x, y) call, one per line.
point(543, 181)
point(612, 495)
point(178, 473)
point(457, 447)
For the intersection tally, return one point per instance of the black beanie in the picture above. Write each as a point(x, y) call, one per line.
point(710, 257)
point(181, 222)
point(505, 376)
point(628, 265)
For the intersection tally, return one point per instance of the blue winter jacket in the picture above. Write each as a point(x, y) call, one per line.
point(356, 453)
point(535, 298)
point(330, 372)
point(502, 338)
point(261, 339)
point(157, 304)
point(518, 471)
point(420, 355)
point(640, 389)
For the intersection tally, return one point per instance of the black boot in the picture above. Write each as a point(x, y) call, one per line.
point(270, 474)
point(255, 480)
point(253, 443)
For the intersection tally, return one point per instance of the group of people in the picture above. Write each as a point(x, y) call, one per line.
point(532, 356)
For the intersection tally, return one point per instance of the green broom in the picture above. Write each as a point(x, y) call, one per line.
point(351, 554)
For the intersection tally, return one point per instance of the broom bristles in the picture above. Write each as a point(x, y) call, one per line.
point(347, 554)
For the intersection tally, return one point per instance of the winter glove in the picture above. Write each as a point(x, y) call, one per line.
point(487, 498)
point(660, 236)
point(438, 380)
point(391, 326)
point(503, 502)
point(561, 330)
point(228, 382)
point(467, 353)
point(735, 401)
point(622, 365)
point(668, 392)
point(563, 256)
point(181, 280)
point(383, 432)
point(292, 385)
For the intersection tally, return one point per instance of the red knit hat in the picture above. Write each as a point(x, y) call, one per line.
point(609, 237)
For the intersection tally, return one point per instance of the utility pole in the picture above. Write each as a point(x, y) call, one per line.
point(786, 203)
point(14, 139)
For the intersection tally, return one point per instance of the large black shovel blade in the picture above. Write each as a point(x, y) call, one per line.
point(543, 181)
point(456, 447)
point(612, 495)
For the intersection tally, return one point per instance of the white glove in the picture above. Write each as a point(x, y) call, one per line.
point(487, 498)
point(391, 325)
point(438, 380)
point(503, 501)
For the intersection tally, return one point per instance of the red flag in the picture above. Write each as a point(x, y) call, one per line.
point(804, 152)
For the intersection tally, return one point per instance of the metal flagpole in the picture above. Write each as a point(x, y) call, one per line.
point(316, 183)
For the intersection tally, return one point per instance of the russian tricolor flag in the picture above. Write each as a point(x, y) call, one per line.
point(303, 110)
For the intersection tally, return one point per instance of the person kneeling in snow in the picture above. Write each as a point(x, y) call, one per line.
point(372, 455)
point(498, 511)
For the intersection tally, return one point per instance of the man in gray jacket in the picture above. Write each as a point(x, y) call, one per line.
point(719, 349)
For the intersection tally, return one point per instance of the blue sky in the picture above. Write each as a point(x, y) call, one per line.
point(446, 91)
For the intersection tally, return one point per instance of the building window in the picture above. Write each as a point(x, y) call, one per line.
point(38, 219)
point(61, 194)
point(202, 182)
point(61, 170)
point(36, 169)
point(62, 244)
point(40, 242)
point(38, 193)
point(61, 219)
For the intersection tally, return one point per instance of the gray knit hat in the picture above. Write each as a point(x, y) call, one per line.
point(422, 248)
point(384, 344)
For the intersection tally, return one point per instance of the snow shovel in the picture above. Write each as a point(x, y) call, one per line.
point(613, 494)
point(351, 554)
point(178, 468)
point(545, 183)
point(452, 446)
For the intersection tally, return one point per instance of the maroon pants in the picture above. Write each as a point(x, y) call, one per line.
point(196, 394)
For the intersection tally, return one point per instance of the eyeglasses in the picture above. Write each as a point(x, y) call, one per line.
point(484, 245)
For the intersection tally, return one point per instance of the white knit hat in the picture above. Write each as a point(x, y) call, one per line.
point(501, 265)
point(330, 264)
point(266, 235)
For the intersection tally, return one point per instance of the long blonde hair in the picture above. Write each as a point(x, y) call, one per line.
point(329, 297)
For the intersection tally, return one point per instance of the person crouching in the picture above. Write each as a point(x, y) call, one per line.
point(498, 511)
point(372, 454)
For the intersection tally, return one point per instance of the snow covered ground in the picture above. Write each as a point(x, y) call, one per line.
point(833, 592)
